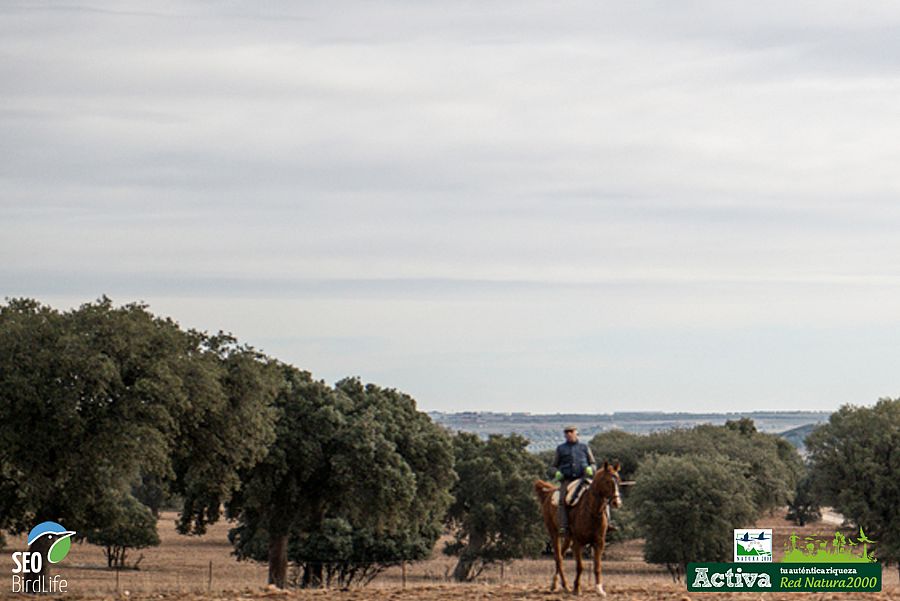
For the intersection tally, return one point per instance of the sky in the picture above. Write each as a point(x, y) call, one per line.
point(497, 206)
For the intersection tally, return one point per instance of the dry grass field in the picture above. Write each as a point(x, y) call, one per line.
point(180, 569)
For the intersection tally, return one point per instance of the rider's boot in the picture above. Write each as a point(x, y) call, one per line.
point(562, 515)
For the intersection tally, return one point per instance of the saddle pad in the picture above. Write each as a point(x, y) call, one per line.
point(574, 494)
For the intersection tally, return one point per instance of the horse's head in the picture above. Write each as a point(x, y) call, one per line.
point(606, 483)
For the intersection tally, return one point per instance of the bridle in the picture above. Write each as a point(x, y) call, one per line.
point(617, 496)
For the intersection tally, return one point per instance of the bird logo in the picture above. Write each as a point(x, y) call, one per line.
point(59, 538)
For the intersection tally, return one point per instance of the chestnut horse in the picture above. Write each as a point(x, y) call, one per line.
point(587, 522)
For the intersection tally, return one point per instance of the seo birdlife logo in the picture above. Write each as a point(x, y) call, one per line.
point(29, 565)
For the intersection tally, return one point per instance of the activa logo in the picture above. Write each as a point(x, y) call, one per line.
point(736, 578)
point(54, 543)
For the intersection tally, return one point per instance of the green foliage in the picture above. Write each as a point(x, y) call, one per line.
point(99, 397)
point(227, 427)
point(693, 518)
point(855, 466)
point(687, 508)
point(770, 464)
point(494, 516)
point(743, 426)
point(546, 458)
point(356, 480)
point(617, 445)
point(153, 493)
point(804, 507)
point(81, 412)
point(127, 524)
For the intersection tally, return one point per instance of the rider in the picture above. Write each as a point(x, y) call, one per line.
point(572, 461)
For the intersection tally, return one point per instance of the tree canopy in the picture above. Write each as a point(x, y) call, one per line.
point(494, 516)
point(356, 480)
point(770, 464)
point(95, 398)
point(855, 467)
point(694, 484)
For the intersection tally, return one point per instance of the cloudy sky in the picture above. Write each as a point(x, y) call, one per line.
point(509, 206)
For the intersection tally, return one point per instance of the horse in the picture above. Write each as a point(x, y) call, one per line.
point(587, 523)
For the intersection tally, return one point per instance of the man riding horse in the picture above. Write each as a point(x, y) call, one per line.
point(573, 461)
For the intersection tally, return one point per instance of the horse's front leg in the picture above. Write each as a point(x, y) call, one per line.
point(579, 567)
point(598, 551)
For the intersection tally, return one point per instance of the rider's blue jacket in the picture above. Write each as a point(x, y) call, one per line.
point(572, 458)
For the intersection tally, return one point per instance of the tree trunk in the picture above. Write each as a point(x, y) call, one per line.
point(468, 558)
point(463, 569)
point(278, 560)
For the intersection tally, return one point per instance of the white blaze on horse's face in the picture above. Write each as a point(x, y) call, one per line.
point(617, 498)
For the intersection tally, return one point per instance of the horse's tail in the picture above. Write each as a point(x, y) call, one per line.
point(542, 489)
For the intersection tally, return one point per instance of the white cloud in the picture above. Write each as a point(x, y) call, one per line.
point(466, 200)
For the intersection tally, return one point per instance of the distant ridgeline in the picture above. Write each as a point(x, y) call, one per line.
point(544, 430)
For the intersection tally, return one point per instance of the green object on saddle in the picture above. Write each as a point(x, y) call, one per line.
point(589, 471)
point(557, 476)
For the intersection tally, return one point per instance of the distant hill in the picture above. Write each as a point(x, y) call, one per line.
point(797, 436)
point(545, 430)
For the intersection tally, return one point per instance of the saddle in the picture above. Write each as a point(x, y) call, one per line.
point(574, 493)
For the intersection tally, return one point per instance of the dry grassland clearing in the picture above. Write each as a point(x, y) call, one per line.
point(180, 569)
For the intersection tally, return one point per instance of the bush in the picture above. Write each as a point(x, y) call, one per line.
point(771, 465)
point(687, 508)
point(130, 525)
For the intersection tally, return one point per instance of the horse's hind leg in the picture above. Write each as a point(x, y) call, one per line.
point(555, 546)
point(558, 554)
point(579, 567)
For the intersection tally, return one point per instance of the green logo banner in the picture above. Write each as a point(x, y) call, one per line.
point(761, 577)
point(828, 549)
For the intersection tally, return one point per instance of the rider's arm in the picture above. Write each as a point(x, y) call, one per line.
point(554, 467)
point(592, 463)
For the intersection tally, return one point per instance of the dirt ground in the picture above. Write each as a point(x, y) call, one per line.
point(203, 568)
